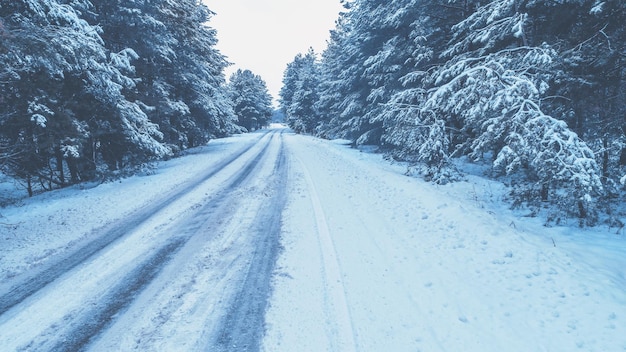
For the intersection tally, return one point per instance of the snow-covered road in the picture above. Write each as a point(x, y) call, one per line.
point(277, 242)
point(190, 269)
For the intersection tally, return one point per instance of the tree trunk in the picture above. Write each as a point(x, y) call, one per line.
point(71, 165)
point(605, 156)
point(545, 190)
point(582, 211)
point(59, 158)
point(29, 186)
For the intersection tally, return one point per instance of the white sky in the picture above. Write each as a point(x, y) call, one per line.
point(264, 35)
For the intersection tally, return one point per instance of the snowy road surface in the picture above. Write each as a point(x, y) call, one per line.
point(276, 242)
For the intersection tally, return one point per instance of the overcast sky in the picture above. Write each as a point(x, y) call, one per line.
point(264, 35)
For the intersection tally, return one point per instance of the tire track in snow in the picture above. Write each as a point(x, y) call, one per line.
point(38, 279)
point(243, 326)
point(118, 298)
point(335, 290)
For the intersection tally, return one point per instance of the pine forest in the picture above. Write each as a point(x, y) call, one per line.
point(93, 89)
point(535, 90)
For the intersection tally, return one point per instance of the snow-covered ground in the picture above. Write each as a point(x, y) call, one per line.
point(371, 260)
point(377, 261)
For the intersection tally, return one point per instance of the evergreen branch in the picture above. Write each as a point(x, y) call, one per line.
point(580, 45)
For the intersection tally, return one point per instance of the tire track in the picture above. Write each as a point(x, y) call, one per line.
point(38, 279)
point(118, 298)
point(335, 294)
point(244, 325)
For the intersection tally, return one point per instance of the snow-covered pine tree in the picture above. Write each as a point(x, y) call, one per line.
point(492, 87)
point(299, 94)
point(333, 85)
point(412, 133)
point(34, 55)
point(589, 87)
point(357, 42)
point(409, 132)
point(196, 76)
point(303, 110)
point(251, 100)
point(137, 25)
point(392, 57)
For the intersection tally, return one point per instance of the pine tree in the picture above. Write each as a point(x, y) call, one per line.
point(492, 87)
point(359, 40)
point(299, 94)
point(589, 84)
point(137, 25)
point(333, 85)
point(197, 74)
point(251, 100)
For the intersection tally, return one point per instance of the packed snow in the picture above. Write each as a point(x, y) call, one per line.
point(371, 260)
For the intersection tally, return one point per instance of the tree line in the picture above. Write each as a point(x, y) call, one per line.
point(90, 87)
point(534, 88)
